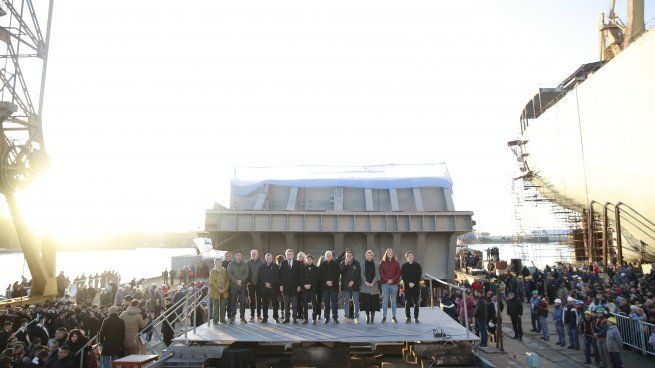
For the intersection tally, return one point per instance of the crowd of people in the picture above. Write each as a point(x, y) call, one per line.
point(57, 333)
point(583, 304)
point(291, 284)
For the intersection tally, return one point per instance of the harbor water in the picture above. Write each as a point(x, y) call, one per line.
point(150, 262)
point(129, 263)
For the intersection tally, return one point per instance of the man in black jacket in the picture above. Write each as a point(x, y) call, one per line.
point(480, 314)
point(65, 358)
point(308, 283)
point(329, 278)
point(112, 337)
point(290, 285)
point(268, 275)
point(4, 335)
point(168, 326)
point(515, 311)
point(351, 280)
point(411, 274)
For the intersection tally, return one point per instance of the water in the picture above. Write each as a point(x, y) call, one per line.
point(541, 254)
point(129, 263)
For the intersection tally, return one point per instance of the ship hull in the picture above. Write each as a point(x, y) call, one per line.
point(596, 143)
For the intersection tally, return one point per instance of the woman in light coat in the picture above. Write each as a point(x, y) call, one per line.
point(134, 323)
point(369, 293)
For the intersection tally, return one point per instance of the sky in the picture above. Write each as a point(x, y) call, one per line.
point(150, 105)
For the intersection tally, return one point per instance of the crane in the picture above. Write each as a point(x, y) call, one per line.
point(23, 65)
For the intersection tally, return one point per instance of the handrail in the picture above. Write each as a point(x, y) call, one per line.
point(466, 316)
point(79, 352)
point(196, 295)
point(87, 344)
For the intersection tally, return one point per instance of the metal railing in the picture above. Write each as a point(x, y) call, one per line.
point(635, 333)
point(81, 351)
point(182, 310)
point(451, 286)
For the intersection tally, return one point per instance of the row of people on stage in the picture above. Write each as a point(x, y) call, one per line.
point(297, 285)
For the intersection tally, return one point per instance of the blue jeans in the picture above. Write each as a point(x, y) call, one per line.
point(347, 294)
point(543, 322)
point(561, 337)
point(574, 336)
point(107, 359)
point(482, 327)
point(389, 294)
point(590, 344)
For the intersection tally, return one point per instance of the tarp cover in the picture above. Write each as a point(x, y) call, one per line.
point(248, 180)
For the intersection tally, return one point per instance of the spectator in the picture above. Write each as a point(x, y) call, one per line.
point(112, 337)
point(133, 324)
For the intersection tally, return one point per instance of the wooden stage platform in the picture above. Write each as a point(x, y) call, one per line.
point(345, 332)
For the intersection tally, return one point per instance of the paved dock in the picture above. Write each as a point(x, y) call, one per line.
point(550, 355)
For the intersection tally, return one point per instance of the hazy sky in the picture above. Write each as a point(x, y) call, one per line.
point(150, 104)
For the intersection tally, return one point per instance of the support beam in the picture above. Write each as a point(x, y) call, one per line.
point(259, 244)
point(292, 241)
point(43, 283)
point(396, 241)
point(590, 227)
point(418, 199)
point(293, 199)
point(393, 195)
point(370, 243)
point(619, 239)
point(338, 199)
point(261, 198)
point(605, 242)
point(452, 254)
point(368, 195)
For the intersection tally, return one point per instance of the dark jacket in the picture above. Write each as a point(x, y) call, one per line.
point(112, 335)
point(411, 272)
point(570, 316)
point(309, 276)
point(67, 362)
point(329, 271)
point(269, 274)
point(290, 276)
point(587, 327)
point(480, 312)
point(351, 272)
point(4, 336)
point(514, 307)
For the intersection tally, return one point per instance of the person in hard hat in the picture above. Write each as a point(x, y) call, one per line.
point(600, 332)
point(614, 343)
point(571, 321)
point(558, 318)
point(586, 328)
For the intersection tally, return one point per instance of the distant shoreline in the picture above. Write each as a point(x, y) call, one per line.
point(5, 250)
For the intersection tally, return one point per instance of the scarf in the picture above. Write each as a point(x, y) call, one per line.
point(369, 271)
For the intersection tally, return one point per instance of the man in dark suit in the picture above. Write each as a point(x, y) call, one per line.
point(290, 284)
point(269, 276)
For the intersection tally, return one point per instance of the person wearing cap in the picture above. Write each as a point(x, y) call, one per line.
point(534, 317)
point(570, 319)
point(600, 331)
point(614, 343)
point(587, 328)
point(112, 337)
point(558, 318)
point(542, 312)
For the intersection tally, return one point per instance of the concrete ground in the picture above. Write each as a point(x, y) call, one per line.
point(550, 355)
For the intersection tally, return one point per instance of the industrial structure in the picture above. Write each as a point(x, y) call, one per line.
point(318, 208)
point(24, 54)
point(586, 144)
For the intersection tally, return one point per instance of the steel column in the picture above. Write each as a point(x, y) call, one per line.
point(619, 241)
point(605, 242)
point(590, 228)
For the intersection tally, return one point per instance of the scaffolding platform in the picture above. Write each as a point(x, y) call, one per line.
point(432, 320)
